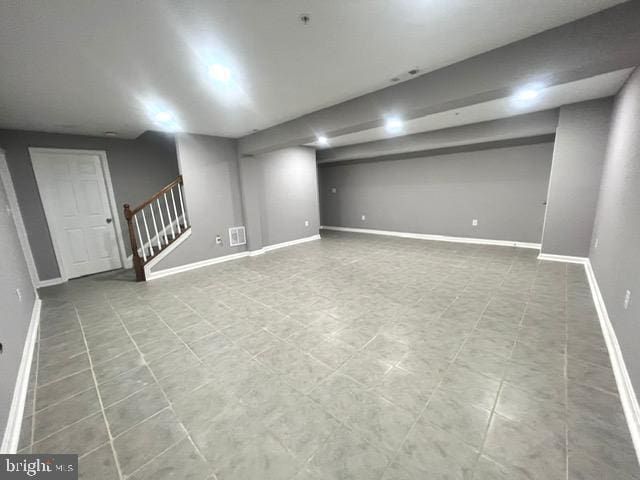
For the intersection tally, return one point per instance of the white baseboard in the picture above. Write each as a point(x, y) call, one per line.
point(623, 381)
point(14, 422)
point(290, 243)
point(227, 258)
point(438, 238)
point(50, 283)
point(562, 258)
point(192, 266)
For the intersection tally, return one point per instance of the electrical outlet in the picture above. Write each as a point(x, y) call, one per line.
point(364, 217)
point(334, 190)
point(218, 240)
point(474, 222)
point(595, 244)
point(627, 299)
point(306, 223)
point(19, 294)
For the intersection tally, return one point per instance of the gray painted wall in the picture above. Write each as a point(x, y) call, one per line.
point(209, 167)
point(14, 321)
point(503, 188)
point(595, 44)
point(578, 157)
point(288, 195)
point(271, 194)
point(139, 168)
point(251, 189)
point(616, 260)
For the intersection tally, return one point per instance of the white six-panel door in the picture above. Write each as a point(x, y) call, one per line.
point(74, 195)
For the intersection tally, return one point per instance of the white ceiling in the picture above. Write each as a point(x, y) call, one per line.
point(591, 88)
point(92, 66)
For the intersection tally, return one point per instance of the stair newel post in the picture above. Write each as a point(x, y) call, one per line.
point(137, 262)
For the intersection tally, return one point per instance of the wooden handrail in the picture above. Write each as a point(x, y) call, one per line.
point(162, 191)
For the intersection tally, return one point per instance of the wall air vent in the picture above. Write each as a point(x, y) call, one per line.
point(237, 236)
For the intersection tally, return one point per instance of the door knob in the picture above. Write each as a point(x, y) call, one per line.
point(109, 220)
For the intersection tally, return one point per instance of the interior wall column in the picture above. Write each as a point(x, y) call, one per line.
point(251, 185)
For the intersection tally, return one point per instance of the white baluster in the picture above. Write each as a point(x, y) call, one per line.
point(164, 228)
point(144, 255)
point(184, 212)
point(175, 210)
point(173, 234)
point(155, 227)
point(146, 228)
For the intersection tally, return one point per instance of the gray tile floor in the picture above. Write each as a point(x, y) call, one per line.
point(354, 357)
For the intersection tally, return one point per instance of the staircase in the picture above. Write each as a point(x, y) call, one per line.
point(155, 225)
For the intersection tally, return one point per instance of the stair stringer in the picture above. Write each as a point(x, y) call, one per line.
point(163, 253)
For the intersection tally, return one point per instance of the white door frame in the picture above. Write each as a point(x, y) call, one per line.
point(102, 155)
point(17, 219)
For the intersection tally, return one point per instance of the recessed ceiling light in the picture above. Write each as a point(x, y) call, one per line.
point(220, 73)
point(323, 141)
point(528, 93)
point(163, 117)
point(110, 134)
point(393, 125)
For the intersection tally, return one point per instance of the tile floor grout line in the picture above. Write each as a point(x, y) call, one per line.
point(167, 399)
point(93, 450)
point(322, 381)
point(95, 382)
point(141, 467)
point(499, 392)
point(492, 412)
point(59, 402)
point(60, 334)
point(501, 386)
point(67, 376)
point(137, 424)
point(174, 333)
point(395, 454)
point(305, 327)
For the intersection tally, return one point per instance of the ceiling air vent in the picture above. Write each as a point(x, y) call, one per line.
point(237, 236)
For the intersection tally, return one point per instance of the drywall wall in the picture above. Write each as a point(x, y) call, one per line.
point(288, 194)
point(616, 260)
point(16, 313)
point(252, 194)
point(520, 126)
point(209, 167)
point(589, 46)
point(578, 156)
point(503, 188)
point(139, 168)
